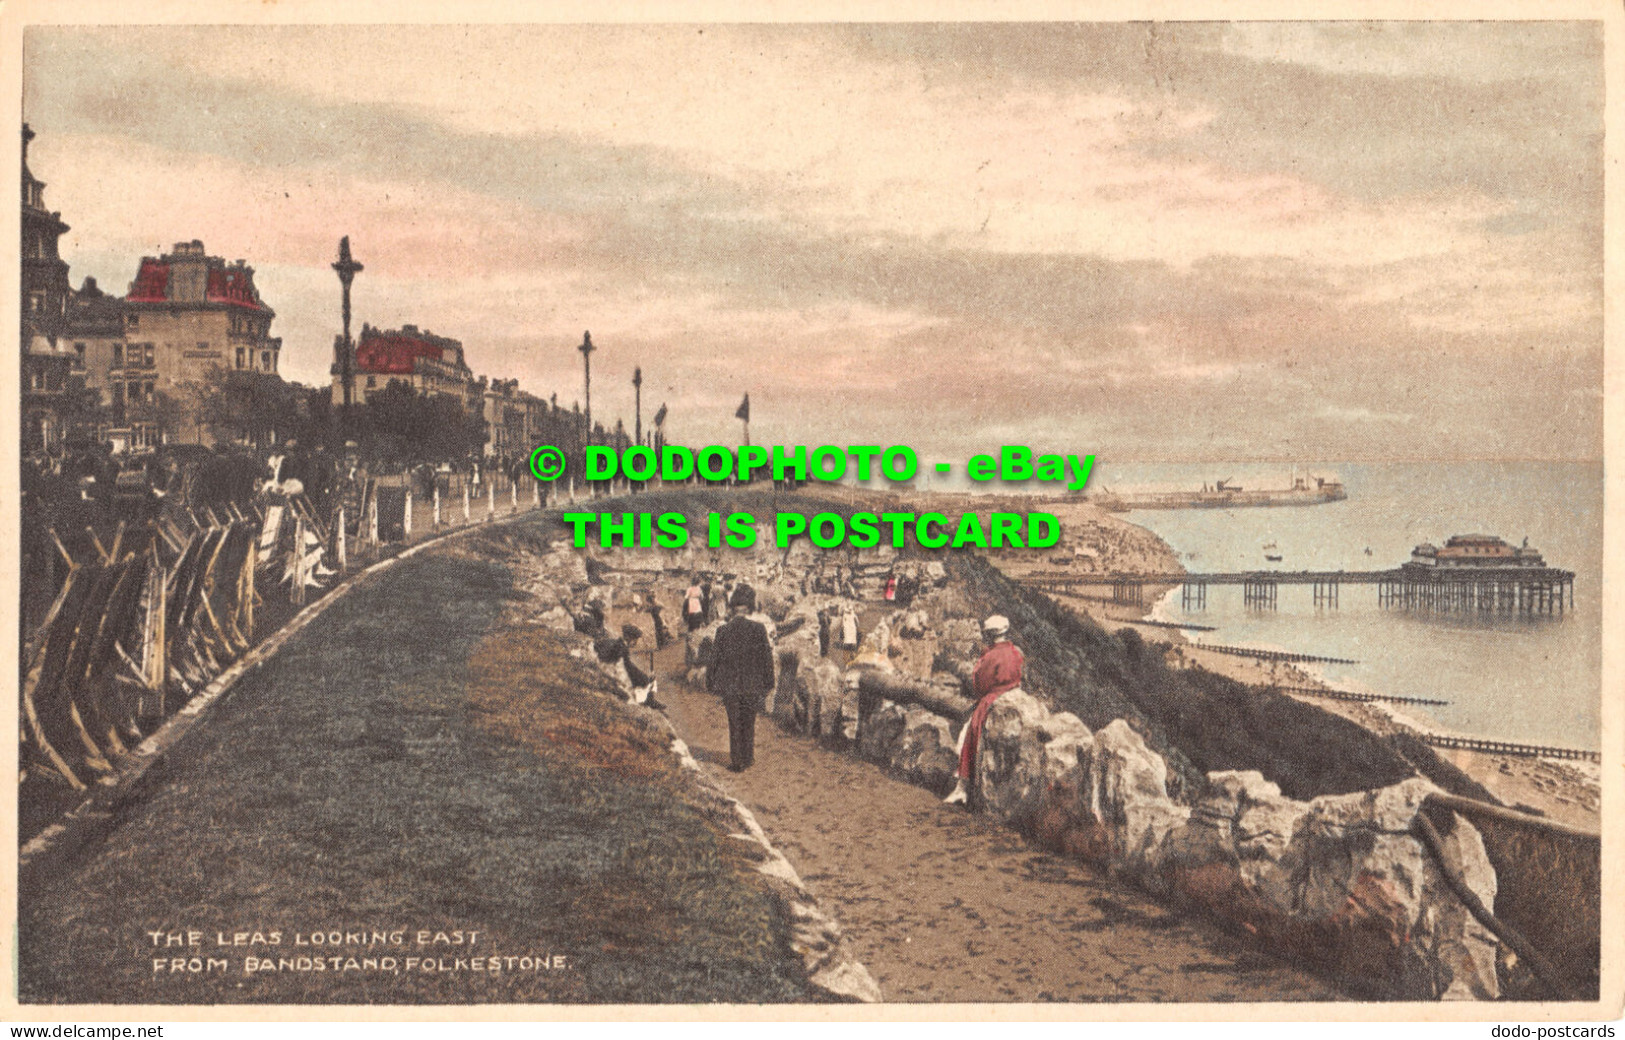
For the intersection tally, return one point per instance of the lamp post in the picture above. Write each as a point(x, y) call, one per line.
point(586, 349)
point(637, 406)
point(346, 268)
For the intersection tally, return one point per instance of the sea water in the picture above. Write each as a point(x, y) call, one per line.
point(1525, 679)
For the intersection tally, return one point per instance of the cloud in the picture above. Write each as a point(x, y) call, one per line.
point(1131, 231)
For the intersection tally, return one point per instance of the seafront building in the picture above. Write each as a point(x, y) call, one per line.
point(148, 357)
point(47, 365)
point(432, 365)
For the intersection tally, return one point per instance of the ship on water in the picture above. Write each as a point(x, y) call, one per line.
point(1223, 494)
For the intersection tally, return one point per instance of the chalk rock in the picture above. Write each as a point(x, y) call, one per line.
point(1068, 750)
point(877, 555)
point(797, 651)
point(621, 558)
point(1231, 848)
point(802, 643)
point(1462, 951)
point(558, 619)
point(926, 752)
point(913, 625)
point(697, 645)
point(961, 639)
point(800, 556)
point(882, 732)
point(603, 596)
point(1359, 870)
point(776, 599)
point(848, 715)
point(848, 980)
point(820, 690)
point(1128, 789)
point(564, 566)
point(877, 640)
point(1367, 833)
point(1009, 763)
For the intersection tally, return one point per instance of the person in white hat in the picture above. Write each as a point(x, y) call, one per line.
point(997, 673)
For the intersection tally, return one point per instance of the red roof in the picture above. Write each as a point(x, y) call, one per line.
point(233, 285)
point(151, 283)
point(393, 353)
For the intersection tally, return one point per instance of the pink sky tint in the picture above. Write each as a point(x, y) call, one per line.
point(1072, 230)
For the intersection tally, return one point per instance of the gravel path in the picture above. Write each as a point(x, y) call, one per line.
point(943, 905)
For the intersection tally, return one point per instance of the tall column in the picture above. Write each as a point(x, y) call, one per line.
point(347, 269)
point(637, 406)
point(586, 349)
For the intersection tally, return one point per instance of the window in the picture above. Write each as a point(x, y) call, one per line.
point(372, 382)
point(36, 302)
point(265, 360)
point(151, 356)
point(146, 390)
point(117, 389)
point(132, 320)
point(79, 355)
point(239, 357)
point(118, 355)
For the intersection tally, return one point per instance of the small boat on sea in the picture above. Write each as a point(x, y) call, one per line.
point(1273, 557)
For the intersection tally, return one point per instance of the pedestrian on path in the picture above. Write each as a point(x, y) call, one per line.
point(997, 673)
point(694, 606)
point(741, 673)
point(662, 633)
point(849, 628)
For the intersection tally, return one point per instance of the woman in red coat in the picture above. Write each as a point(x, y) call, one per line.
point(997, 673)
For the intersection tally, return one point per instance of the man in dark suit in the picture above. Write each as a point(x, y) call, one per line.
point(741, 673)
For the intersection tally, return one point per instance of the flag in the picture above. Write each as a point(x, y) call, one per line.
point(744, 409)
point(660, 416)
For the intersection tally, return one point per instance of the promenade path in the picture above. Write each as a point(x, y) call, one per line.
point(945, 905)
point(414, 761)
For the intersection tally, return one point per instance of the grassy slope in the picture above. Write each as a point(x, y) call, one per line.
point(409, 763)
point(1198, 721)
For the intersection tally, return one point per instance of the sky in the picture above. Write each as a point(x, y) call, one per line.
point(1152, 241)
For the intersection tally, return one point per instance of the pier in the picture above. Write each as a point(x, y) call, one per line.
point(1482, 590)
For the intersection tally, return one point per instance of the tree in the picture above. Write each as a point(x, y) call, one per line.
point(257, 407)
point(164, 412)
point(400, 426)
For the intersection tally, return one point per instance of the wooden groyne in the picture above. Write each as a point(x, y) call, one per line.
point(1501, 747)
point(1364, 698)
point(1271, 655)
point(1176, 625)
